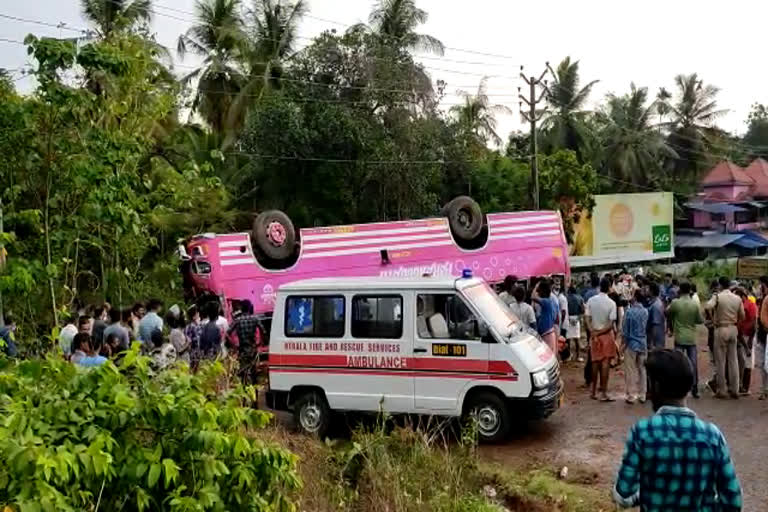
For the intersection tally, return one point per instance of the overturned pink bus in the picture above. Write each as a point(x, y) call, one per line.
point(253, 265)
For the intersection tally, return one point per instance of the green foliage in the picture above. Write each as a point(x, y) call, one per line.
point(90, 208)
point(756, 138)
point(632, 149)
point(502, 184)
point(566, 125)
point(110, 16)
point(693, 112)
point(133, 440)
point(475, 117)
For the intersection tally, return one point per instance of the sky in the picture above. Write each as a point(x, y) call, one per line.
point(616, 43)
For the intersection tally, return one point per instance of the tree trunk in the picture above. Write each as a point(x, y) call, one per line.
point(47, 228)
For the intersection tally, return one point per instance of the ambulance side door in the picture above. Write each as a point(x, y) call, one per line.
point(379, 376)
point(448, 353)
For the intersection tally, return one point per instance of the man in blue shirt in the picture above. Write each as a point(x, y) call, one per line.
point(657, 333)
point(151, 322)
point(7, 338)
point(547, 318)
point(83, 354)
point(636, 349)
point(673, 461)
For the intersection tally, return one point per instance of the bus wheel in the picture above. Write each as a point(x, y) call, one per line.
point(464, 217)
point(490, 416)
point(312, 414)
point(274, 234)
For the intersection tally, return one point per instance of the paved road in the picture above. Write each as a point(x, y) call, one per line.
point(588, 436)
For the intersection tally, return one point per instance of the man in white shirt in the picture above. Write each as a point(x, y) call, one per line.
point(562, 303)
point(521, 309)
point(601, 318)
point(66, 336)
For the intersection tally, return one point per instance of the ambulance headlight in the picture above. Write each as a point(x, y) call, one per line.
point(540, 379)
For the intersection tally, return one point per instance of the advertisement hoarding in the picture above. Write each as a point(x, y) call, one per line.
point(623, 228)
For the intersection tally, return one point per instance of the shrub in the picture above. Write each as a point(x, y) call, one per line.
point(129, 439)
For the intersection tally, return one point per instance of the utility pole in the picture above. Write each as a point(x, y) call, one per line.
point(533, 117)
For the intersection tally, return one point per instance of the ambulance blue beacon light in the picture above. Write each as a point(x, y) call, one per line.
point(466, 273)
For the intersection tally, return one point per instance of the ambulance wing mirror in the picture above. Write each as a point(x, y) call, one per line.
point(484, 332)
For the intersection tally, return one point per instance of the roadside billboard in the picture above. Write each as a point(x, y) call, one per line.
point(624, 228)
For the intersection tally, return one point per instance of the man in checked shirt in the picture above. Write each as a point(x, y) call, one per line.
point(246, 325)
point(673, 461)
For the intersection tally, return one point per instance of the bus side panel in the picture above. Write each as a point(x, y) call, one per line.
point(524, 244)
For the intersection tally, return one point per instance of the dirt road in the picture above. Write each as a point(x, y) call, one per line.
point(588, 436)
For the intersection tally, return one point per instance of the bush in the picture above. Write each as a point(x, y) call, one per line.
point(128, 439)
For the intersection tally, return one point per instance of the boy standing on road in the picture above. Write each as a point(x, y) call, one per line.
point(684, 315)
point(636, 351)
point(656, 325)
point(674, 461)
point(573, 329)
point(601, 318)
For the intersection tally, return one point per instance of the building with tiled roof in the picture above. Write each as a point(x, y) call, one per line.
point(758, 172)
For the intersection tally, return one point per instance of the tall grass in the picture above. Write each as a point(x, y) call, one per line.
point(424, 467)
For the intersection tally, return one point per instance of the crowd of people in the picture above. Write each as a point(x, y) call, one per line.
point(620, 317)
point(98, 334)
point(672, 460)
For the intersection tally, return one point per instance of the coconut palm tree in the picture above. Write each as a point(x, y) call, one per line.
point(565, 124)
point(477, 116)
point(218, 36)
point(396, 21)
point(112, 15)
point(662, 104)
point(693, 114)
point(633, 150)
point(273, 27)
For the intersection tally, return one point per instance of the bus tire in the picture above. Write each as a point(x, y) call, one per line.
point(312, 414)
point(274, 235)
point(490, 416)
point(464, 217)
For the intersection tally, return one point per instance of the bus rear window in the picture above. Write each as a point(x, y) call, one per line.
point(314, 316)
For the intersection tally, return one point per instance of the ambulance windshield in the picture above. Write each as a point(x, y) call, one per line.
point(493, 310)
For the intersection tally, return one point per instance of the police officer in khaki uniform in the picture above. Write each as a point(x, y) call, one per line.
point(727, 310)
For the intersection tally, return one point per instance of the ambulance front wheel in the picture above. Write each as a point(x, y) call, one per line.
point(490, 416)
point(312, 414)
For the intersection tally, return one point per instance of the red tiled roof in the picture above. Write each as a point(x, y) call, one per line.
point(727, 173)
point(758, 171)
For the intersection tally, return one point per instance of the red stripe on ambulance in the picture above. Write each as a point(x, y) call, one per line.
point(426, 366)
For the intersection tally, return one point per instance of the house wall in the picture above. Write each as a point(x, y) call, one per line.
point(706, 220)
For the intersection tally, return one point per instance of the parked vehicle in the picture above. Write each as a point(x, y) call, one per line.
point(425, 345)
point(253, 265)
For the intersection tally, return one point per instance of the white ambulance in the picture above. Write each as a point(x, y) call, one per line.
point(431, 346)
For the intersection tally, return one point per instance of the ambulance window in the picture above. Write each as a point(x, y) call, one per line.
point(314, 316)
point(445, 316)
point(377, 316)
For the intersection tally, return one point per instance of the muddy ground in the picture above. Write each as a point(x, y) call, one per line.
point(588, 436)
